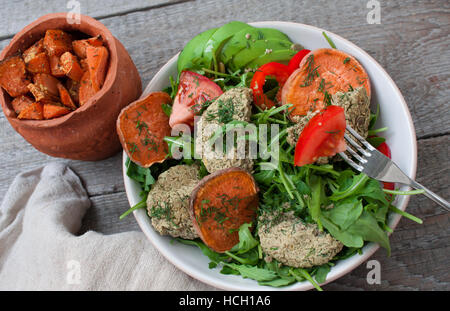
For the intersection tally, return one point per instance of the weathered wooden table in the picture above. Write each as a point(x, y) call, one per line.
point(411, 42)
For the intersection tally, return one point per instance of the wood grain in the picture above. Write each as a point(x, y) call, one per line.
point(411, 43)
point(19, 13)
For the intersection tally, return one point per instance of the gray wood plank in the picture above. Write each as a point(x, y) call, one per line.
point(16, 14)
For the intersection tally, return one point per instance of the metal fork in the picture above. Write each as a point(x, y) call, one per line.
point(376, 165)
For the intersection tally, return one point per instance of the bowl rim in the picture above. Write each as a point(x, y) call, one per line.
point(86, 23)
point(367, 251)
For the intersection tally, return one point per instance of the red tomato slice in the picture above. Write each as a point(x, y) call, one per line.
point(384, 149)
point(277, 70)
point(193, 90)
point(323, 136)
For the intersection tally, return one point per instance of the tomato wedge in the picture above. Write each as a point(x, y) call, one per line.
point(193, 91)
point(323, 136)
point(384, 149)
point(277, 70)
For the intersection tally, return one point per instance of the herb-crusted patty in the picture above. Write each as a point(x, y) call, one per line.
point(168, 201)
point(233, 105)
point(294, 243)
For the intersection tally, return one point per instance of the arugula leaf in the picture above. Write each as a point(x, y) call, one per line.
point(376, 141)
point(253, 272)
point(316, 199)
point(374, 117)
point(367, 227)
point(345, 212)
point(322, 272)
point(358, 182)
point(280, 282)
point(246, 240)
point(372, 189)
point(264, 177)
point(140, 174)
point(347, 238)
point(249, 258)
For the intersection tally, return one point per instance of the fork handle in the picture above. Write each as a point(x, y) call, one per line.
point(433, 196)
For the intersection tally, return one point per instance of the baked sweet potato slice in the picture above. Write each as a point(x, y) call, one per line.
point(53, 110)
point(21, 102)
point(71, 67)
point(142, 126)
point(85, 91)
point(33, 111)
point(220, 204)
point(79, 46)
point(45, 87)
point(13, 76)
point(65, 97)
point(322, 73)
point(97, 60)
point(57, 42)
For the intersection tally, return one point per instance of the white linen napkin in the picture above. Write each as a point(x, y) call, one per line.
point(39, 249)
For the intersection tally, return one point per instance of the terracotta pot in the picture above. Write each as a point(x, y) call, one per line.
point(89, 132)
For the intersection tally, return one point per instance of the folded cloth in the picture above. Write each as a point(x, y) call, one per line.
point(39, 249)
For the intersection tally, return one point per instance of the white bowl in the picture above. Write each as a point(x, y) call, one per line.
point(400, 136)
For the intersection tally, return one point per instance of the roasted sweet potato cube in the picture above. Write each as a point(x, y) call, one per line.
point(54, 110)
point(73, 88)
point(97, 59)
point(65, 97)
point(86, 90)
point(33, 50)
point(57, 42)
point(13, 76)
point(55, 66)
point(39, 64)
point(71, 66)
point(45, 87)
point(21, 102)
point(33, 111)
point(79, 46)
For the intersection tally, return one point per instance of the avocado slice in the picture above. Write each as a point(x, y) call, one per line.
point(216, 41)
point(257, 49)
point(193, 51)
point(280, 56)
point(245, 38)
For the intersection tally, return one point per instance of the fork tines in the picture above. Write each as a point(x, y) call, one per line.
point(363, 152)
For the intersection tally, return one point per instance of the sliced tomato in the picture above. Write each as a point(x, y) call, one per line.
point(384, 149)
point(323, 136)
point(279, 71)
point(193, 91)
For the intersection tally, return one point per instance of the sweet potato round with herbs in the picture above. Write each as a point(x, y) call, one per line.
point(142, 127)
point(220, 204)
point(322, 73)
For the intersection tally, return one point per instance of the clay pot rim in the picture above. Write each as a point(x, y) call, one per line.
point(86, 24)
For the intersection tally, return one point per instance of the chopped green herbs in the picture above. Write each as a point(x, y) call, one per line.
point(312, 72)
point(330, 42)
